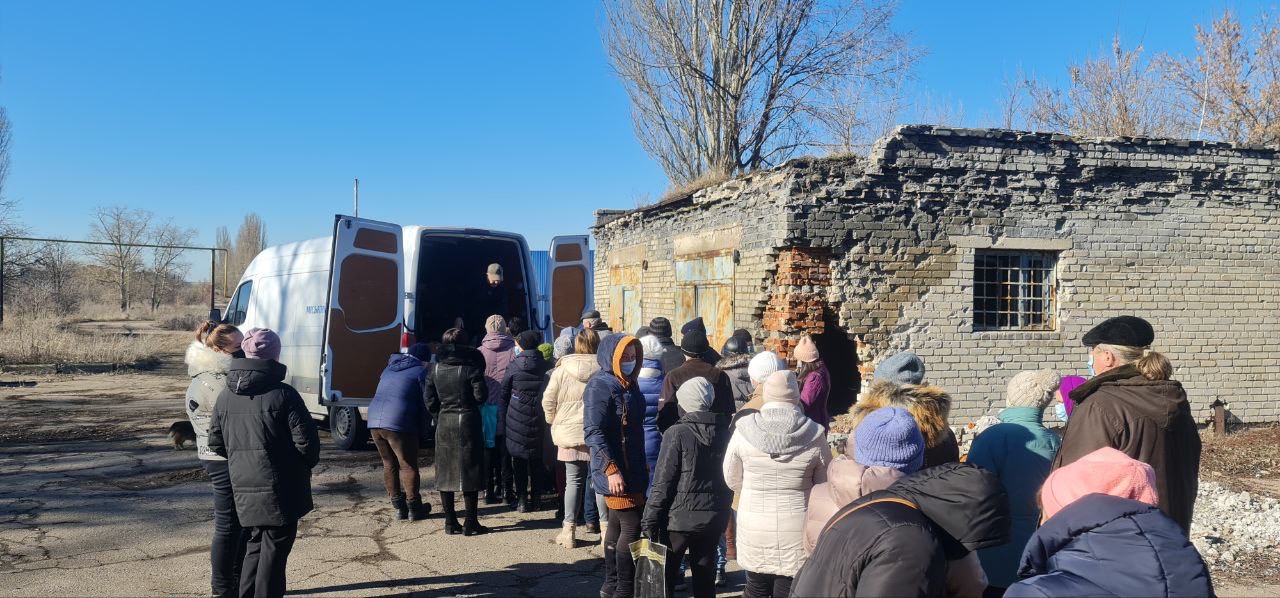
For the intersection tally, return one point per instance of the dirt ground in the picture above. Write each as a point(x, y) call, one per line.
point(95, 501)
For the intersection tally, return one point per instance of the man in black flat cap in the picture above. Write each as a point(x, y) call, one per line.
point(1131, 405)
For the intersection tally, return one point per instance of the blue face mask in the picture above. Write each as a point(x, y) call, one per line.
point(628, 367)
point(1060, 410)
point(1091, 372)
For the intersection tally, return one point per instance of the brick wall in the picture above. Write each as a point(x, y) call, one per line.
point(1183, 233)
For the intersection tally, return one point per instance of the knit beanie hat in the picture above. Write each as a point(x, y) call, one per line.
point(652, 347)
point(781, 387)
point(660, 327)
point(694, 325)
point(529, 340)
point(694, 344)
point(495, 323)
point(763, 364)
point(806, 351)
point(420, 351)
point(889, 437)
point(261, 343)
point(1070, 383)
point(1032, 389)
point(904, 368)
point(1104, 471)
point(695, 395)
point(547, 350)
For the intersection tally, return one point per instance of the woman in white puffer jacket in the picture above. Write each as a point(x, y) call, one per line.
point(562, 405)
point(773, 459)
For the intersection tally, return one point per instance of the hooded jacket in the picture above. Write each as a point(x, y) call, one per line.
point(1019, 450)
point(892, 549)
point(649, 382)
point(688, 492)
point(398, 405)
point(455, 391)
point(1102, 545)
point(613, 424)
point(669, 412)
point(929, 405)
point(671, 357)
point(847, 481)
point(498, 350)
point(1149, 420)
point(774, 457)
point(562, 400)
point(735, 367)
point(263, 428)
point(523, 389)
point(814, 390)
point(208, 371)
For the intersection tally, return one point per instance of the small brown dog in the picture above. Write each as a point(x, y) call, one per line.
point(181, 432)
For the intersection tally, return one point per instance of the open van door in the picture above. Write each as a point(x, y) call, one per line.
point(363, 318)
point(569, 282)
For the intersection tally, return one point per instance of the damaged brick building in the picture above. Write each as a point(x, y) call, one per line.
point(986, 252)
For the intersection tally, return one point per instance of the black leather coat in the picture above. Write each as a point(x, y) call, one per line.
point(455, 390)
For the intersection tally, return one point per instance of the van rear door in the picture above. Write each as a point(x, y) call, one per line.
point(569, 281)
point(365, 310)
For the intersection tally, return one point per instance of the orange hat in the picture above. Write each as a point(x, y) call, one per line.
point(1104, 471)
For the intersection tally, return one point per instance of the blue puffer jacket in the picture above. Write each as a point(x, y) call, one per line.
point(526, 377)
point(613, 421)
point(1102, 545)
point(650, 384)
point(397, 404)
point(1019, 450)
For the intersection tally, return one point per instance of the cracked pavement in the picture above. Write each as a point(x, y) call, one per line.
point(95, 501)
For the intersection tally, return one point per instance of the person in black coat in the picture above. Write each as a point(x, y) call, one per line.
point(264, 430)
point(522, 389)
point(898, 541)
point(455, 390)
point(689, 498)
point(698, 354)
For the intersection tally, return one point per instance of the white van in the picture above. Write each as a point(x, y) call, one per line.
point(343, 304)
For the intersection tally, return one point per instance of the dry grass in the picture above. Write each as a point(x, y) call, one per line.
point(1252, 453)
point(708, 179)
point(50, 341)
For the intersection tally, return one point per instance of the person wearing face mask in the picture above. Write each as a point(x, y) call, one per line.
point(613, 423)
point(1133, 406)
point(1062, 407)
point(1019, 450)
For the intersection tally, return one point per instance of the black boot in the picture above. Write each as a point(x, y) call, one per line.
point(419, 510)
point(523, 506)
point(402, 508)
point(451, 525)
point(471, 526)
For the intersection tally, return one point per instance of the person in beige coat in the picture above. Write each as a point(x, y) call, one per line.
point(774, 458)
point(562, 404)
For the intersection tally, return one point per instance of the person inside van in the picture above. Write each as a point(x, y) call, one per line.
point(486, 299)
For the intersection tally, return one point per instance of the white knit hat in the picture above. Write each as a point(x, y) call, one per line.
point(1032, 389)
point(763, 364)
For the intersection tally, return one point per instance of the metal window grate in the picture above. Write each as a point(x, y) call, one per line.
point(1014, 291)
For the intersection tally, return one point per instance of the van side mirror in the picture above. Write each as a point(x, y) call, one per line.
point(215, 315)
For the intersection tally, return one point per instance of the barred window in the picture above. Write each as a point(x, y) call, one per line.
point(1014, 290)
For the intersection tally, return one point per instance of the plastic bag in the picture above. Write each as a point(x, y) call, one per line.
point(651, 568)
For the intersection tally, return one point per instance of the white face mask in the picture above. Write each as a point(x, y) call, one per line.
point(1091, 372)
point(1060, 410)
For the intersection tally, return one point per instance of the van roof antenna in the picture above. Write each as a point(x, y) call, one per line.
point(356, 192)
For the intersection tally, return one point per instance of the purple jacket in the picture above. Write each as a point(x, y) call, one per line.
point(498, 350)
point(813, 393)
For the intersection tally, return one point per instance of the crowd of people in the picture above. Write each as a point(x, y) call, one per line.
point(724, 455)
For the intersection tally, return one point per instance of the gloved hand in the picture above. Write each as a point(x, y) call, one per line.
point(653, 534)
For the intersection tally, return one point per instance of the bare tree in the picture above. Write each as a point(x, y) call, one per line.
point(5, 138)
point(1013, 100)
point(859, 112)
point(938, 110)
point(251, 239)
point(1120, 94)
point(723, 86)
point(119, 226)
point(222, 259)
point(165, 269)
point(1231, 87)
point(56, 271)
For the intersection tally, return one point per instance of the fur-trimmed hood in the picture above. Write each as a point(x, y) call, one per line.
point(733, 362)
point(201, 359)
point(929, 405)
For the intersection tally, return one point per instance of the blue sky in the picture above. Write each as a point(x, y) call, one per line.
point(500, 115)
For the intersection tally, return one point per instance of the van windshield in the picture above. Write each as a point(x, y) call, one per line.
point(453, 283)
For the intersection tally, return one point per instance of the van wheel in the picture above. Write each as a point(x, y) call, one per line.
point(347, 428)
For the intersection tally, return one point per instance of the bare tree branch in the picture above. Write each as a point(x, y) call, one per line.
point(119, 226)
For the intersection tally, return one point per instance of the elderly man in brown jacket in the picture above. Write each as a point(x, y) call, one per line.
point(1131, 405)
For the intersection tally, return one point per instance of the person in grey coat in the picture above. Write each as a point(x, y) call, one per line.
point(264, 430)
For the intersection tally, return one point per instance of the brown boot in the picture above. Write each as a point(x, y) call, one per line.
point(731, 547)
